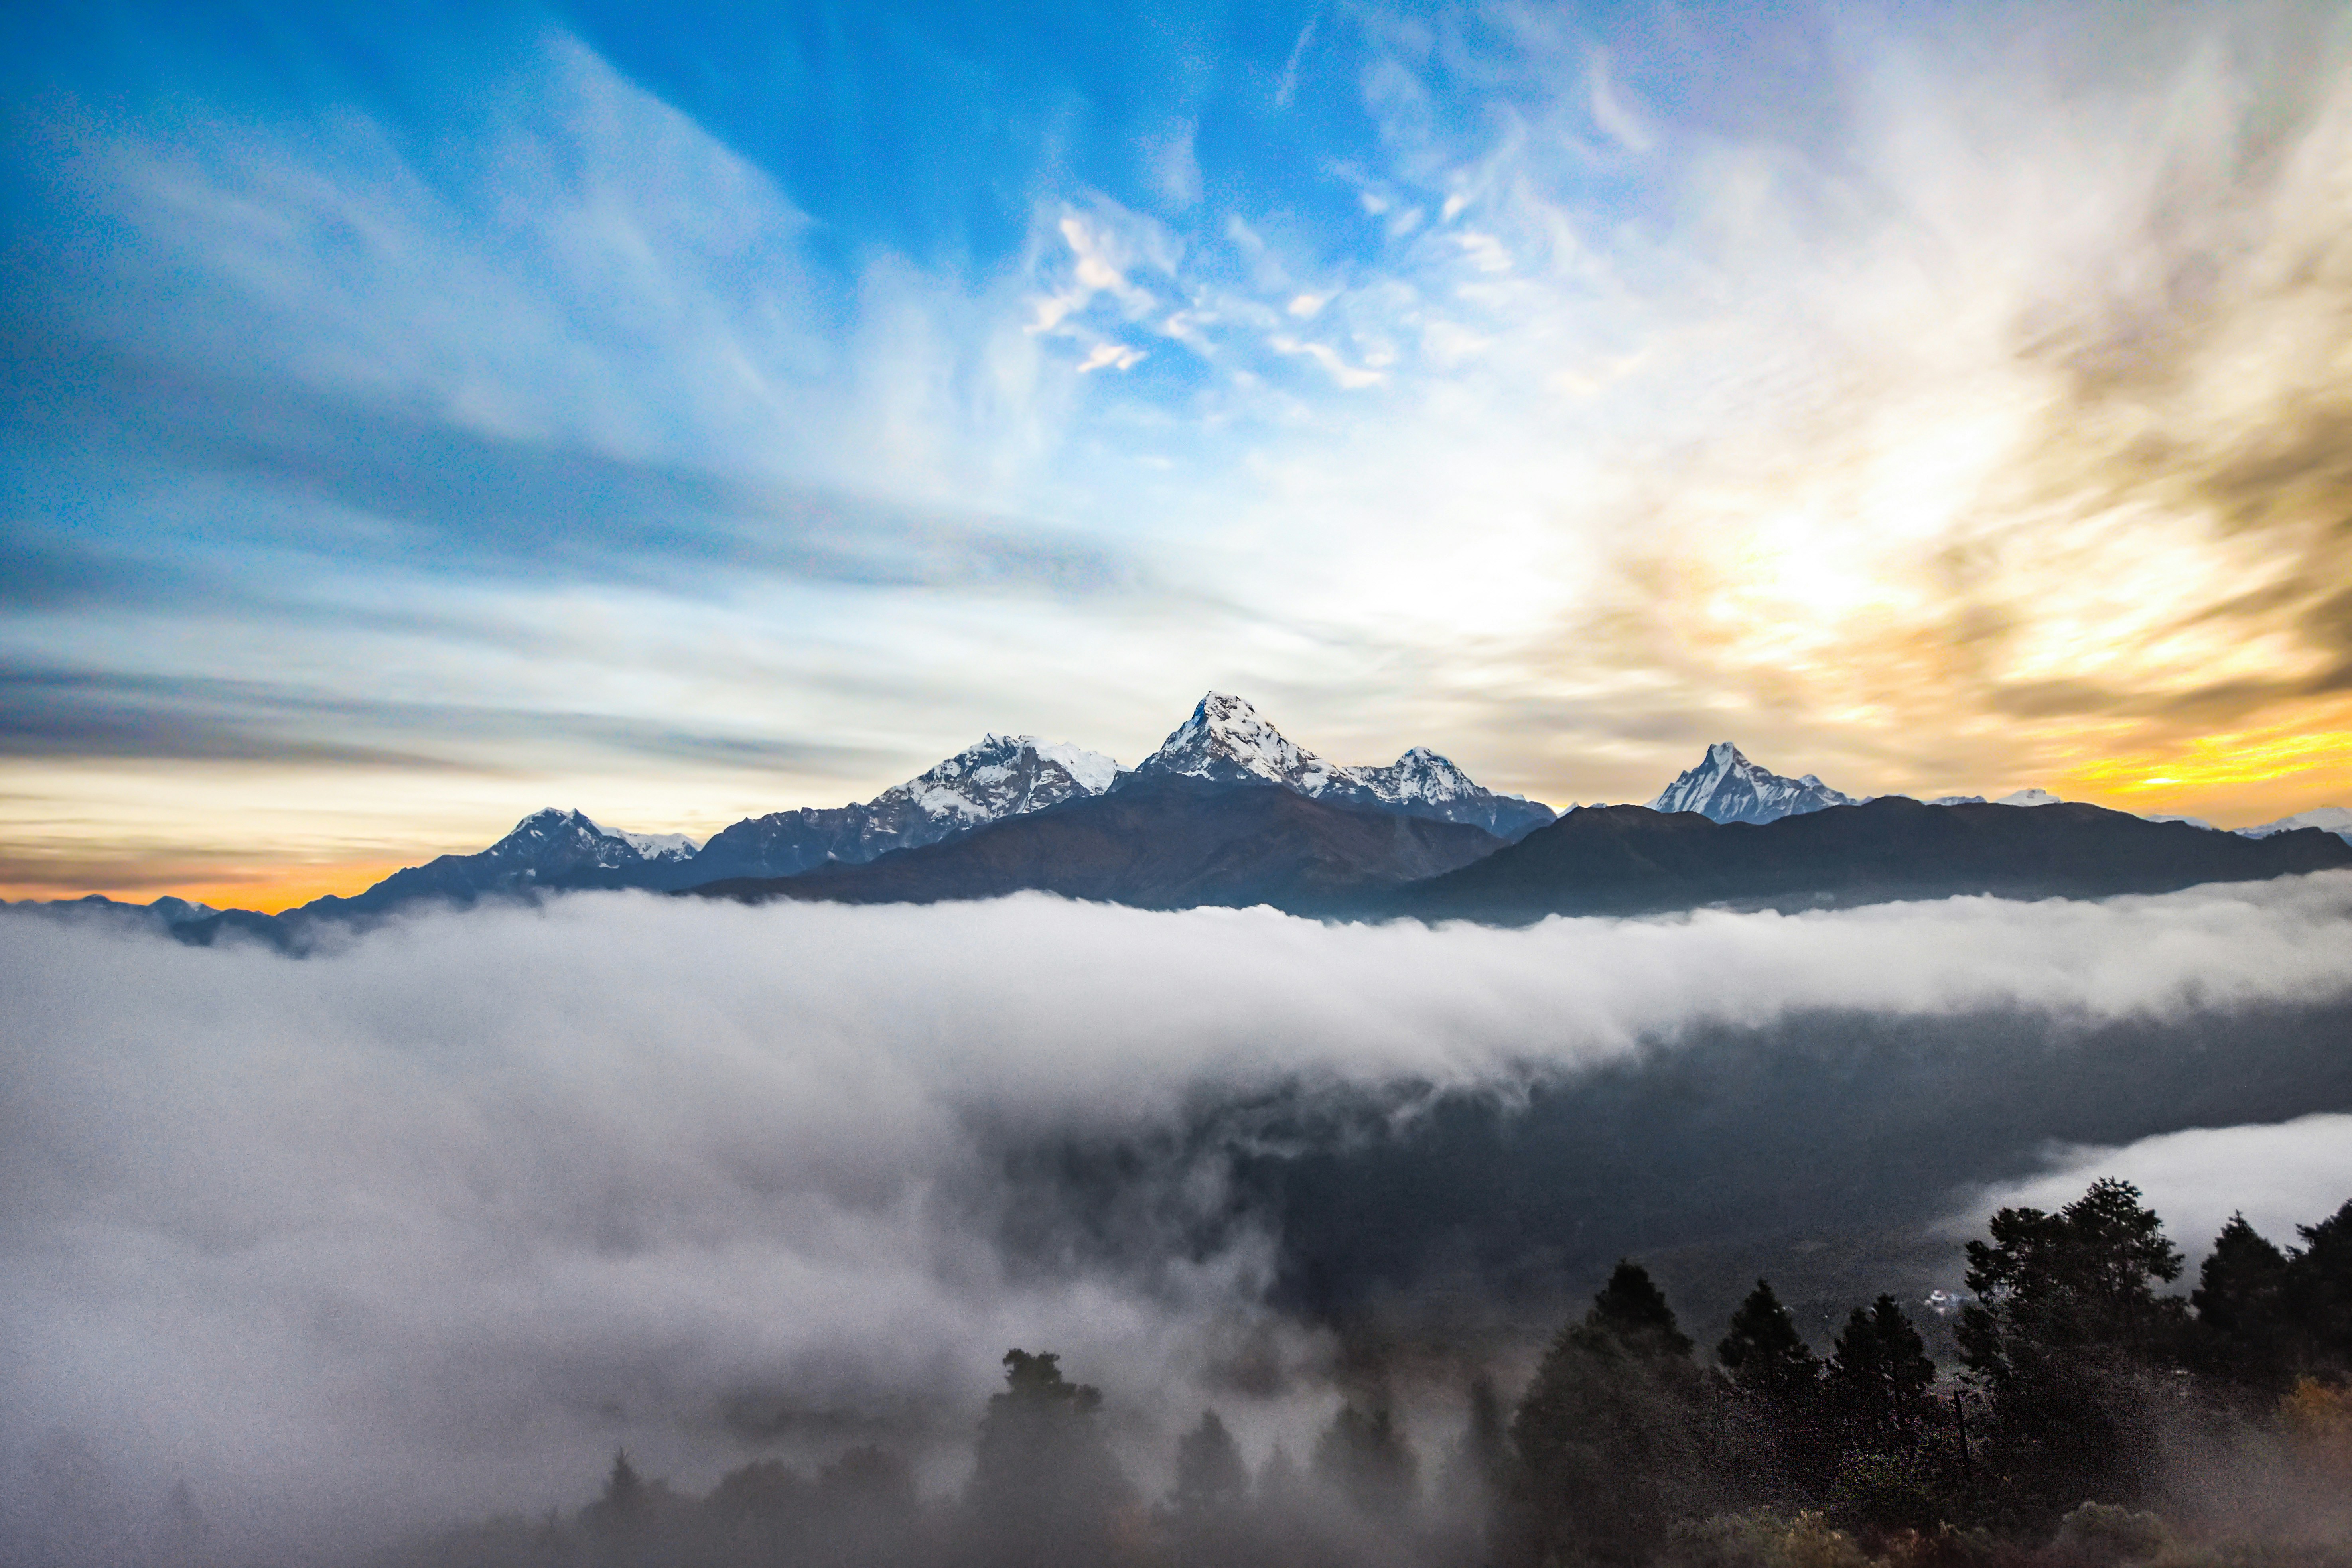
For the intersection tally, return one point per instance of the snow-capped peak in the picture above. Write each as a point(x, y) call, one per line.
point(1726, 786)
point(1002, 775)
point(2029, 796)
point(2337, 820)
point(1420, 774)
point(553, 829)
point(1091, 768)
point(1227, 741)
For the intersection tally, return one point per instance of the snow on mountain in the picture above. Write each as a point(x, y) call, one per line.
point(551, 848)
point(1726, 786)
point(1227, 741)
point(2337, 820)
point(1091, 769)
point(553, 843)
point(658, 846)
point(2039, 797)
point(1004, 776)
point(552, 837)
point(1419, 774)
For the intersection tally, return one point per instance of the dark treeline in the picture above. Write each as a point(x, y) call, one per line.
point(2095, 1420)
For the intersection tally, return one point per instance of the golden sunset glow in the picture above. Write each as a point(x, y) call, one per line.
point(261, 886)
point(2241, 774)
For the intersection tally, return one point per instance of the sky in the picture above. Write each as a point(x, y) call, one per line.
point(419, 415)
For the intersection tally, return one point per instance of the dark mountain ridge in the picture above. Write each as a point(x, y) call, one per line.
point(1630, 860)
point(1164, 842)
point(548, 849)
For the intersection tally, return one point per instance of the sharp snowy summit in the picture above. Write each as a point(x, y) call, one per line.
point(1726, 786)
point(1227, 741)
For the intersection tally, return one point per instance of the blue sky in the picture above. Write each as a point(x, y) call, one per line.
point(419, 415)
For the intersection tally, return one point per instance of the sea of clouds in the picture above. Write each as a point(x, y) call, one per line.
point(429, 1224)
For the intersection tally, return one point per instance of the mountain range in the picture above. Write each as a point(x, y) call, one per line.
point(1165, 841)
point(1229, 811)
point(1621, 859)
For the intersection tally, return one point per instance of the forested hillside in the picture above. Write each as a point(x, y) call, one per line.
point(2094, 1418)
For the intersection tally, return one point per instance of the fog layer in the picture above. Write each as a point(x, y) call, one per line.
point(428, 1226)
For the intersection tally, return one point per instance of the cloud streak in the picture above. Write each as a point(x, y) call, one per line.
point(2278, 1175)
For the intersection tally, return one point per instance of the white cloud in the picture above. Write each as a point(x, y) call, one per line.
point(1352, 377)
point(2279, 1175)
point(1287, 85)
point(1117, 356)
point(436, 1221)
point(1610, 111)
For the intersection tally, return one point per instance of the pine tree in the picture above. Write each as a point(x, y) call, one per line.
point(625, 1501)
point(1608, 1432)
point(1763, 1353)
point(1366, 1460)
point(2318, 1290)
point(2081, 1277)
point(1776, 1445)
point(1209, 1469)
point(2241, 1306)
point(2066, 1324)
point(1879, 1374)
point(1632, 1309)
point(1044, 1484)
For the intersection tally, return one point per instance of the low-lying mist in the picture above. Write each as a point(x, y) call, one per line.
point(428, 1226)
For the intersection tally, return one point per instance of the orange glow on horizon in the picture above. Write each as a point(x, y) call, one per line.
point(2318, 760)
point(267, 890)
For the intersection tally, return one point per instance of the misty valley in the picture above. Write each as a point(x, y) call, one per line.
point(614, 1227)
